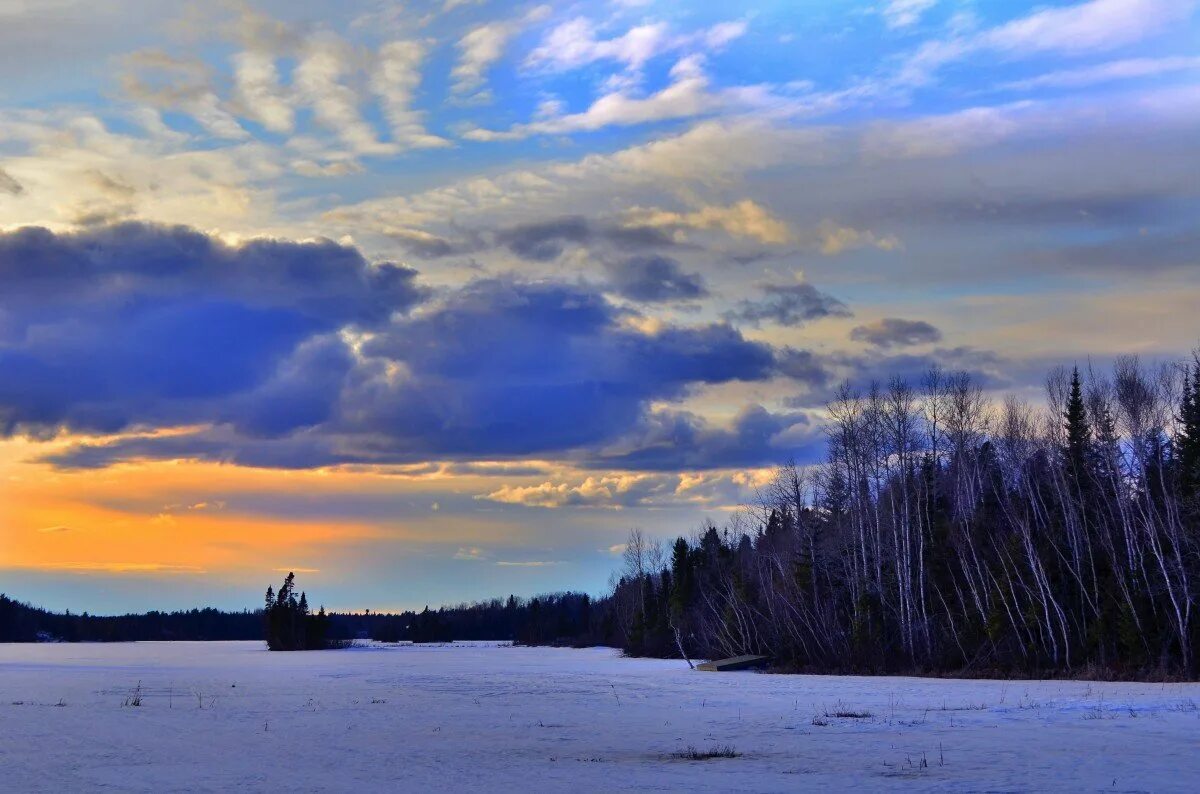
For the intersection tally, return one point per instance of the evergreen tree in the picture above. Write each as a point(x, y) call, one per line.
point(1187, 442)
point(1079, 433)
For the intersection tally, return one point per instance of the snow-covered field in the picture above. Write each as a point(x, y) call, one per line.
point(232, 717)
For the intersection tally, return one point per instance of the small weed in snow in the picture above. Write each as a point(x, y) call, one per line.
point(849, 714)
point(690, 753)
point(135, 697)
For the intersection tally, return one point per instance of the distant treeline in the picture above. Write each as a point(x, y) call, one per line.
point(561, 618)
point(21, 622)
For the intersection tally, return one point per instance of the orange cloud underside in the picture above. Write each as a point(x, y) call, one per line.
point(171, 517)
point(61, 520)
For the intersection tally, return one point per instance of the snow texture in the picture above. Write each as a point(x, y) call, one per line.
point(484, 717)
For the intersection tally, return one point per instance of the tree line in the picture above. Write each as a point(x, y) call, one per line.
point(286, 621)
point(947, 533)
point(20, 622)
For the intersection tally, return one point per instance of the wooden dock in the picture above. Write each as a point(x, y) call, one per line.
point(734, 663)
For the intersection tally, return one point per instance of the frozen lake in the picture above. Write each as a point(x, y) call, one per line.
point(230, 716)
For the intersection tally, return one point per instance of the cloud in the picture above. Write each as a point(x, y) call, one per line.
point(653, 278)
point(470, 553)
point(545, 241)
point(895, 332)
point(75, 167)
point(9, 185)
point(167, 82)
point(788, 305)
point(946, 134)
point(1077, 29)
point(301, 355)
point(742, 219)
point(325, 61)
point(115, 326)
point(709, 155)
point(574, 44)
point(483, 46)
point(506, 368)
point(905, 13)
point(1136, 250)
point(625, 490)
point(613, 491)
point(1086, 27)
point(426, 245)
point(804, 366)
point(671, 439)
point(1126, 69)
point(687, 95)
point(832, 239)
point(396, 78)
point(259, 93)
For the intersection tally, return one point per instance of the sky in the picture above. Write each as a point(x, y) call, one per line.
point(431, 302)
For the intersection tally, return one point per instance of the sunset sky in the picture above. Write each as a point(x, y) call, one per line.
point(435, 301)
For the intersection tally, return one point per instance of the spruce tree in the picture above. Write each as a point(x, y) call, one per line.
point(1079, 433)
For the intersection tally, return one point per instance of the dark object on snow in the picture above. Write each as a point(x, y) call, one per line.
point(734, 663)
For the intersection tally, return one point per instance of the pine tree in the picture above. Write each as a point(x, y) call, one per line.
point(1079, 433)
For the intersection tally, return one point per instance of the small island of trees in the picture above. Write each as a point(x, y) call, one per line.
point(288, 623)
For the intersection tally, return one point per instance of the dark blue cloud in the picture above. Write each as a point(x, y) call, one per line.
point(144, 327)
point(138, 324)
point(671, 440)
point(508, 368)
point(788, 305)
point(896, 332)
point(545, 241)
point(654, 278)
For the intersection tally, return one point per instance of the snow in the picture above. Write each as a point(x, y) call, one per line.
point(231, 716)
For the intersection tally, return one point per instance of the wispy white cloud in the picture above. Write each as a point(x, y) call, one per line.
point(905, 13)
point(325, 62)
point(168, 82)
point(397, 75)
point(687, 95)
point(1088, 27)
point(744, 218)
point(259, 93)
point(619, 491)
point(484, 45)
point(1111, 71)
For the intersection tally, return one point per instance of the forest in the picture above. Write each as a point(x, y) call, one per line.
point(945, 533)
